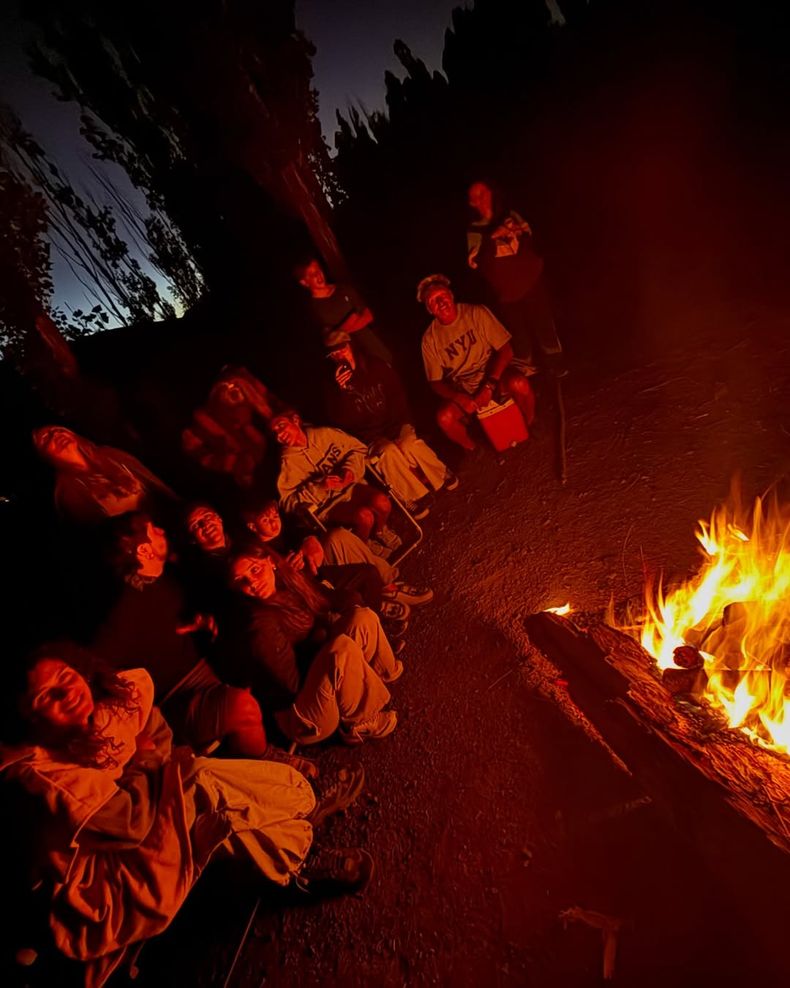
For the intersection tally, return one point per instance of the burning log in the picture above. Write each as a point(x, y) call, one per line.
point(711, 782)
point(603, 664)
point(687, 682)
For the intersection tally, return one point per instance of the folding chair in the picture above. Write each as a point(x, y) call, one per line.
point(408, 525)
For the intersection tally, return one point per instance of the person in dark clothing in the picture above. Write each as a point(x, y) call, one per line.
point(365, 398)
point(282, 619)
point(151, 624)
point(340, 307)
point(500, 246)
point(306, 554)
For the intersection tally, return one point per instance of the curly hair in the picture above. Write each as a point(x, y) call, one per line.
point(88, 747)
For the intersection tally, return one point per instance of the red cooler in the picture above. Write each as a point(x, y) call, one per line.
point(503, 424)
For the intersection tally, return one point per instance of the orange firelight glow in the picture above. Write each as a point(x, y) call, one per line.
point(564, 609)
point(736, 612)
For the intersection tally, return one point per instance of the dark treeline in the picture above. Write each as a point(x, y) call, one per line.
point(631, 128)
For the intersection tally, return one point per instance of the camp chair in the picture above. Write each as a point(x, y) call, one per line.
point(405, 524)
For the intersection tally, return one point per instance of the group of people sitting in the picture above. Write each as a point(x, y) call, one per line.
point(230, 636)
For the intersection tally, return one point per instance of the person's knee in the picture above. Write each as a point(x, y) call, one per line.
point(516, 383)
point(364, 517)
point(241, 710)
point(380, 503)
point(448, 415)
point(360, 618)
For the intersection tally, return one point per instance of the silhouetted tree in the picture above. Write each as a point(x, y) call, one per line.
point(201, 103)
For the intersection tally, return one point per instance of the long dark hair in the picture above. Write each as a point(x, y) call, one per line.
point(298, 598)
point(88, 747)
point(100, 462)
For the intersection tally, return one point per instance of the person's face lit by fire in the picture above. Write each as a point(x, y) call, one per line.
point(254, 577)
point(61, 447)
point(152, 552)
point(440, 302)
point(267, 524)
point(481, 200)
point(58, 695)
point(287, 430)
point(206, 528)
point(313, 277)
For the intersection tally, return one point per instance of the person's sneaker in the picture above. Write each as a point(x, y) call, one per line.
point(393, 609)
point(339, 794)
point(420, 509)
point(306, 766)
point(396, 675)
point(451, 482)
point(413, 596)
point(395, 629)
point(378, 726)
point(386, 537)
point(335, 871)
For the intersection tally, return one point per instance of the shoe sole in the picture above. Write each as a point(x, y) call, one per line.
point(350, 797)
point(412, 601)
point(351, 740)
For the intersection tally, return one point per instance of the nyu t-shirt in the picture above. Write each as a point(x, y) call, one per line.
point(460, 352)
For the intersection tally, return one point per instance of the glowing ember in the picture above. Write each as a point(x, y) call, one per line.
point(736, 613)
point(564, 609)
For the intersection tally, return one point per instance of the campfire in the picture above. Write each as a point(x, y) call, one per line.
point(725, 633)
point(692, 696)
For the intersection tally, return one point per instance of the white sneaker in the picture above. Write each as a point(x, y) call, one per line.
point(379, 726)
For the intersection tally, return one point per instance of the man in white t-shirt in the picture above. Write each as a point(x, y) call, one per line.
point(466, 352)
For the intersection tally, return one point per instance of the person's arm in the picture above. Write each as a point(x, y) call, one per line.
point(356, 320)
point(474, 241)
point(143, 473)
point(272, 649)
point(125, 820)
point(296, 486)
point(445, 390)
point(351, 467)
point(496, 367)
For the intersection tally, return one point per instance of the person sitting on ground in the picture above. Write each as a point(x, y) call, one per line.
point(340, 307)
point(93, 483)
point(337, 546)
point(129, 822)
point(151, 622)
point(500, 246)
point(323, 468)
point(365, 398)
point(228, 435)
point(361, 583)
point(467, 354)
point(284, 620)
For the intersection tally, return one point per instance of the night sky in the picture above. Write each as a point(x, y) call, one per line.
point(354, 42)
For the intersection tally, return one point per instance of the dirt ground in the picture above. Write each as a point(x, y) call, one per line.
point(488, 811)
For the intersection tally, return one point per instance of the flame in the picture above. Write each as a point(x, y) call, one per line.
point(736, 612)
point(562, 610)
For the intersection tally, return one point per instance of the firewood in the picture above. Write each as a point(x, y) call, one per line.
point(688, 657)
point(691, 682)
